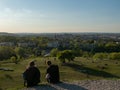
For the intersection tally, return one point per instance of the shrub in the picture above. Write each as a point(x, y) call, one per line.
point(114, 56)
point(100, 56)
point(14, 60)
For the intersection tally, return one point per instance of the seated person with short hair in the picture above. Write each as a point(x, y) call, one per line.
point(31, 75)
point(52, 75)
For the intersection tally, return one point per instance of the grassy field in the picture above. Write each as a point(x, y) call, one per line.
point(79, 69)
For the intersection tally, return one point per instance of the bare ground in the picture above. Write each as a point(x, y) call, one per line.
point(81, 85)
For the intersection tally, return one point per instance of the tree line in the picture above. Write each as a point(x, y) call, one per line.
point(68, 48)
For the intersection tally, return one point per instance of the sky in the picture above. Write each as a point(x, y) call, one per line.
point(47, 16)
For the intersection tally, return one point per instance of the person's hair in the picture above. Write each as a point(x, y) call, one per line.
point(49, 63)
point(32, 63)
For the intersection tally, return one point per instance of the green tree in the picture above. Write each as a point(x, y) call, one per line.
point(54, 52)
point(6, 53)
point(114, 56)
point(66, 54)
point(43, 52)
point(111, 47)
point(20, 52)
point(37, 52)
point(100, 56)
point(78, 52)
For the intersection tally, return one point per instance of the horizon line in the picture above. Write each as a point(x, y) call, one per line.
point(52, 32)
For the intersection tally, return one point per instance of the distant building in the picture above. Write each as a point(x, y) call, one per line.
point(65, 44)
point(7, 44)
point(54, 44)
point(26, 44)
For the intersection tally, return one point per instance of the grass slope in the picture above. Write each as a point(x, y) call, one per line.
point(80, 69)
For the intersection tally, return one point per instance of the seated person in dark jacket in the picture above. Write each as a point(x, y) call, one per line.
point(52, 75)
point(32, 75)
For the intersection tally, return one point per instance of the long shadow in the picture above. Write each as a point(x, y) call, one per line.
point(90, 71)
point(41, 87)
point(58, 86)
point(66, 86)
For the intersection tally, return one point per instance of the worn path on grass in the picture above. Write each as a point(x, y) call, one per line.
point(81, 85)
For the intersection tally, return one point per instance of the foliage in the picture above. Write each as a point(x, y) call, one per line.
point(78, 52)
point(35, 45)
point(36, 52)
point(86, 54)
point(14, 59)
point(43, 52)
point(20, 52)
point(112, 47)
point(61, 57)
point(6, 53)
point(66, 54)
point(114, 56)
point(100, 56)
point(54, 52)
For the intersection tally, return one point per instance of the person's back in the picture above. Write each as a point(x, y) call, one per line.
point(53, 71)
point(32, 76)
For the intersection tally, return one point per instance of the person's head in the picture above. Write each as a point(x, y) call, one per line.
point(49, 63)
point(32, 63)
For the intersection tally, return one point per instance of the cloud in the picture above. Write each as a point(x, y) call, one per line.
point(12, 13)
point(20, 14)
point(23, 16)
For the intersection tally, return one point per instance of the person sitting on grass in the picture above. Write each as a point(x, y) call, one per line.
point(52, 74)
point(31, 75)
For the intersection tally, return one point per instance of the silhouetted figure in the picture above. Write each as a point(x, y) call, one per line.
point(52, 75)
point(31, 75)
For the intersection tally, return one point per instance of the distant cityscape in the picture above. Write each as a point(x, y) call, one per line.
point(60, 39)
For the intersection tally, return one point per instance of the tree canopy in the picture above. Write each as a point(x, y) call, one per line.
point(66, 54)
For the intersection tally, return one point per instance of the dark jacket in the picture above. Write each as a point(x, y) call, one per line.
point(32, 76)
point(53, 71)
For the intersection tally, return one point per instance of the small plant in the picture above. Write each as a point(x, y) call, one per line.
point(100, 56)
point(14, 60)
point(114, 56)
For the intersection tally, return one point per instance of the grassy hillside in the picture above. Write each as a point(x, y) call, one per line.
point(80, 69)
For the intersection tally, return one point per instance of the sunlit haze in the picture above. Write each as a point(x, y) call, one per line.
point(39, 16)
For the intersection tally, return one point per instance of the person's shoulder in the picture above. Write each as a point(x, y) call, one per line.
point(35, 68)
point(27, 69)
point(31, 68)
point(54, 65)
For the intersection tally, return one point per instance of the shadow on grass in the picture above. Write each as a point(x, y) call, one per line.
point(41, 87)
point(90, 71)
point(67, 86)
point(58, 86)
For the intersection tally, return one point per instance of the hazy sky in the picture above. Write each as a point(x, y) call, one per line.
point(59, 16)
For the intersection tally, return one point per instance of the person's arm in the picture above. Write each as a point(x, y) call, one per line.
point(24, 74)
point(38, 74)
point(49, 69)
